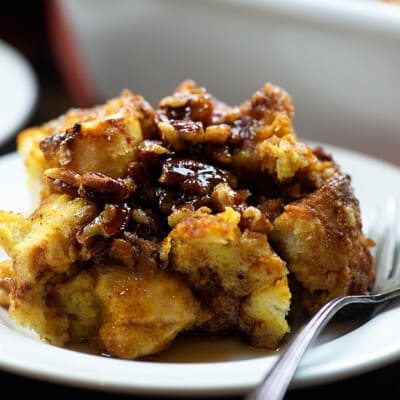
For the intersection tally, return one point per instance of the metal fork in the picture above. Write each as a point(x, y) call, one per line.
point(387, 287)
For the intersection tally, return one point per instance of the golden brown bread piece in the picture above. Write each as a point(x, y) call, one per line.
point(102, 139)
point(6, 282)
point(230, 272)
point(320, 237)
point(143, 313)
point(156, 222)
point(44, 250)
point(65, 305)
point(127, 313)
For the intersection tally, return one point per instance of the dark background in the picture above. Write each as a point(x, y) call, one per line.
point(23, 25)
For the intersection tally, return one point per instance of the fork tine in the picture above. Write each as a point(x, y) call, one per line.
point(371, 227)
point(395, 275)
point(387, 245)
point(369, 222)
point(396, 268)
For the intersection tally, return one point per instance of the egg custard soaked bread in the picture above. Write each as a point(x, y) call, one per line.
point(190, 217)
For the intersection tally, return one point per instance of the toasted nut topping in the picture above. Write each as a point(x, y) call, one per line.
point(174, 101)
point(123, 251)
point(189, 130)
point(224, 196)
point(63, 180)
point(111, 221)
point(254, 220)
point(151, 153)
point(170, 135)
point(102, 188)
point(153, 147)
point(218, 133)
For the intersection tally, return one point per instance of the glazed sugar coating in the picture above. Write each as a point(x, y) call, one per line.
point(320, 237)
point(191, 217)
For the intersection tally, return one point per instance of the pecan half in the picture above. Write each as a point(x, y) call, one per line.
point(102, 188)
point(63, 180)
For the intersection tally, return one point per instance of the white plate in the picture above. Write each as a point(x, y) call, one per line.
point(18, 92)
point(338, 355)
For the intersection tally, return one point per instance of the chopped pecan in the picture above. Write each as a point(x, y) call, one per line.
point(117, 218)
point(218, 133)
point(149, 224)
point(152, 148)
point(224, 114)
point(189, 130)
point(180, 214)
point(112, 220)
point(179, 133)
point(147, 252)
point(269, 99)
point(102, 188)
point(200, 108)
point(63, 180)
point(94, 236)
point(151, 153)
point(170, 136)
point(176, 131)
point(123, 251)
point(188, 102)
point(176, 101)
point(254, 220)
point(219, 153)
point(224, 196)
point(271, 208)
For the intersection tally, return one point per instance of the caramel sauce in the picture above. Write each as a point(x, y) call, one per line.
point(193, 176)
point(196, 348)
point(203, 349)
point(206, 348)
point(6, 284)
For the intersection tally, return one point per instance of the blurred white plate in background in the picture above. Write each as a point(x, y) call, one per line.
point(18, 91)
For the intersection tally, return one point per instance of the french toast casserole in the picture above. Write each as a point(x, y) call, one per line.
point(193, 217)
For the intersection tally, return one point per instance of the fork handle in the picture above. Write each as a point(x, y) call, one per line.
point(276, 382)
